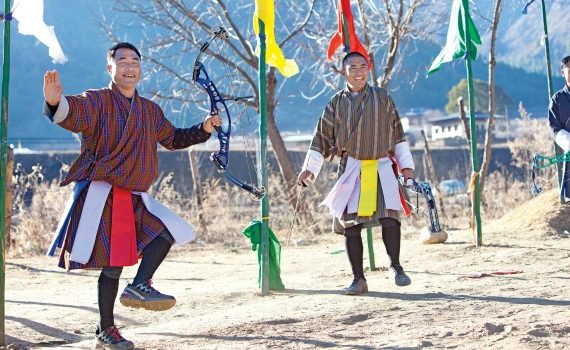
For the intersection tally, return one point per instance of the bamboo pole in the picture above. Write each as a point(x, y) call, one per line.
point(263, 162)
point(3, 161)
point(473, 144)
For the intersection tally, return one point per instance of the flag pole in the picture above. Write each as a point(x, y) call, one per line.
point(3, 164)
point(264, 246)
point(369, 236)
point(547, 51)
point(557, 150)
point(473, 144)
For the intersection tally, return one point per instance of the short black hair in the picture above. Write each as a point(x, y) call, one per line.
point(114, 48)
point(564, 61)
point(352, 54)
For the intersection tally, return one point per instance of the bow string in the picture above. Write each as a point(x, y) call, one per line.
point(218, 104)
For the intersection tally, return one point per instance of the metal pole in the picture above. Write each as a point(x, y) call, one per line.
point(473, 143)
point(3, 166)
point(369, 236)
point(264, 246)
point(557, 150)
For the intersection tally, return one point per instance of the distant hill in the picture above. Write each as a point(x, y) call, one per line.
point(519, 43)
point(84, 43)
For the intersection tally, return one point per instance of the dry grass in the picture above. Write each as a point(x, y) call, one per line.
point(227, 209)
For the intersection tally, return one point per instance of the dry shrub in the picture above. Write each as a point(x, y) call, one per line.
point(504, 190)
point(37, 206)
point(227, 209)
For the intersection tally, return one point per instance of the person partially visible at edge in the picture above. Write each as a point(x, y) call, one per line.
point(111, 220)
point(361, 126)
point(559, 118)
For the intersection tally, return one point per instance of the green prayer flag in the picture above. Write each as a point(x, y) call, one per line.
point(455, 46)
point(253, 232)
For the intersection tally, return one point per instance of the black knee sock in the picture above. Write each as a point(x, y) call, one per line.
point(107, 289)
point(391, 237)
point(153, 255)
point(354, 251)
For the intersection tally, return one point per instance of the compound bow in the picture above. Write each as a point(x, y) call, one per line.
point(541, 162)
point(425, 189)
point(217, 104)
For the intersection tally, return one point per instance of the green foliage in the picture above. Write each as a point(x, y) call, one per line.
point(502, 100)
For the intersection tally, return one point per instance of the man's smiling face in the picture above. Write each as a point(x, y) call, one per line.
point(125, 70)
point(356, 72)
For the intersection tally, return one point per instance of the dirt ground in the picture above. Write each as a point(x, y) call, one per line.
point(458, 298)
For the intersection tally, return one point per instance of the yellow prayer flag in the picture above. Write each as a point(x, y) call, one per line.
point(265, 11)
point(368, 188)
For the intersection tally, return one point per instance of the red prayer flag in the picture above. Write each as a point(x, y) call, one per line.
point(339, 36)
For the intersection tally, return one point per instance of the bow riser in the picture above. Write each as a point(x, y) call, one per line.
point(217, 105)
point(425, 189)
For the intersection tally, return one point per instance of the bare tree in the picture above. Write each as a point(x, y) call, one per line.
point(173, 33)
point(396, 19)
point(385, 26)
point(487, 154)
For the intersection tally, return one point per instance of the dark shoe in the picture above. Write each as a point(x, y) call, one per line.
point(143, 295)
point(111, 338)
point(358, 286)
point(400, 277)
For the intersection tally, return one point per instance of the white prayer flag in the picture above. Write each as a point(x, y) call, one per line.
point(30, 16)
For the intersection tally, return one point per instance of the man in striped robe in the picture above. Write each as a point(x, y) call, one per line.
point(360, 125)
point(110, 220)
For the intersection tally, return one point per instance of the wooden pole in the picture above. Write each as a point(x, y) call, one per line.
point(464, 119)
point(431, 171)
point(197, 185)
point(9, 195)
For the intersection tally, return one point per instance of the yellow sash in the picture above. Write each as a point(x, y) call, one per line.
point(368, 188)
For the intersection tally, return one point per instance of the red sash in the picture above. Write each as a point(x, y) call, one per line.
point(123, 232)
point(407, 210)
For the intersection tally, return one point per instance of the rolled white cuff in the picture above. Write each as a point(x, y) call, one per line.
point(562, 139)
point(62, 110)
point(404, 156)
point(313, 162)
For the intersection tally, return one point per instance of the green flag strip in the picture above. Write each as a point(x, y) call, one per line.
point(455, 46)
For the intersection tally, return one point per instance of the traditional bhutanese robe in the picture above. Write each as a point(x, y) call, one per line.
point(362, 126)
point(558, 117)
point(119, 147)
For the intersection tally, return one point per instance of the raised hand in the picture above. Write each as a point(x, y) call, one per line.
point(52, 88)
